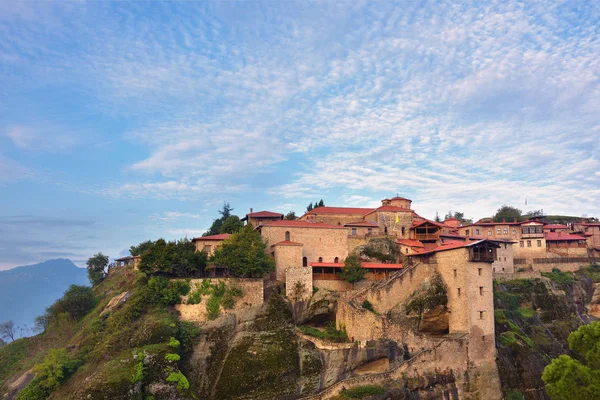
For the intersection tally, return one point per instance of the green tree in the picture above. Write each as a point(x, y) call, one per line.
point(507, 213)
point(353, 271)
point(290, 216)
point(568, 378)
point(437, 217)
point(77, 302)
point(459, 216)
point(244, 254)
point(141, 248)
point(225, 213)
point(321, 203)
point(429, 294)
point(175, 258)
point(232, 224)
point(309, 207)
point(96, 267)
point(7, 330)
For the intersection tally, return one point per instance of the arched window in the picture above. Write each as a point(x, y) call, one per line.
point(402, 231)
point(304, 262)
point(287, 235)
point(320, 259)
point(336, 260)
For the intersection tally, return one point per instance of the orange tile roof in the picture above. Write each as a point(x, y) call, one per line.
point(410, 242)
point(562, 237)
point(393, 209)
point(363, 264)
point(340, 210)
point(301, 224)
point(556, 226)
point(221, 236)
point(264, 214)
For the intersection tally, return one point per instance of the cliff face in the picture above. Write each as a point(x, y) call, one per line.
point(534, 318)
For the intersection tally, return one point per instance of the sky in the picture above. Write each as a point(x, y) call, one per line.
point(127, 121)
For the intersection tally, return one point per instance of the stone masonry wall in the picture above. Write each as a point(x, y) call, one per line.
point(286, 256)
point(252, 295)
point(318, 242)
point(298, 283)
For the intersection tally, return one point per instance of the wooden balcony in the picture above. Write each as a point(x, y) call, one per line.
point(536, 235)
point(427, 236)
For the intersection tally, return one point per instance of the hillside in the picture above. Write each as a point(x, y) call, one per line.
point(32, 288)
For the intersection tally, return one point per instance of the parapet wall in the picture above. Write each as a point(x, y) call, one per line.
point(298, 283)
point(252, 294)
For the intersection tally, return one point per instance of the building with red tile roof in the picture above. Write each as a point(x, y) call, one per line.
point(259, 217)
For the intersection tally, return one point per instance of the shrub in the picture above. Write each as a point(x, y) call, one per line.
point(138, 372)
point(174, 343)
point(52, 372)
point(77, 302)
point(559, 276)
point(172, 357)
point(353, 271)
point(368, 306)
point(180, 379)
point(167, 292)
point(360, 392)
point(213, 307)
point(330, 333)
point(428, 295)
point(176, 258)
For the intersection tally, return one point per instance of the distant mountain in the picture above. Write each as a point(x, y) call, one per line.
point(25, 292)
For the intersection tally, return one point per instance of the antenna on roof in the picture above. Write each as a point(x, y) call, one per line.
point(525, 201)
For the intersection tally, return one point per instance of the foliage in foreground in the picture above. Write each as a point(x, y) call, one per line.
point(244, 254)
point(175, 258)
point(330, 333)
point(353, 271)
point(96, 267)
point(566, 377)
point(361, 392)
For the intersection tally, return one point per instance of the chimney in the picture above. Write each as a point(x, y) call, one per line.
point(250, 210)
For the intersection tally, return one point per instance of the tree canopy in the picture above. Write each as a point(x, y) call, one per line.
point(215, 228)
point(141, 248)
point(96, 267)
point(175, 258)
point(458, 215)
point(507, 213)
point(566, 377)
point(353, 271)
point(244, 254)
point(77, 302)
point(232, 224)
point(290, 216)
point(311, 207)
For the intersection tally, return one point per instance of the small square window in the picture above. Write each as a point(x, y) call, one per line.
point(455, 273)
point(481, 290)
point(490, 232)
point(497, 231)
point(529, 243)
point(477, 231)
point(481, 314)
point(521, 244)
point(458, 290)
point(539, 243)
point(506, 231)
point(479, 271)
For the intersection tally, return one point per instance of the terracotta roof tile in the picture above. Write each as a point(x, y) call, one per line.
point(264, 214)
point(363, 264)
point(410, 242)
point(340, 210)
point(562, 237)
point(288, 243)
point(301, 224)
point(221, 236)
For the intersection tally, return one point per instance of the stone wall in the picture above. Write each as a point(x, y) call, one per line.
point(252, 290)
point(517, 275)
point(333, 219)
point(504, 259)
point(298, 283)
point(286, 256)
point(327, 243)
point(339, 286)
point(387, 219)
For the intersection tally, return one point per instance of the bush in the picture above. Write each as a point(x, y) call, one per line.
point(77, 302)
point(53, 371)
point(213, 307)
point(330, 333)
point(174, 343)
point(180, 379)
point(172, 357)
point(360, 392)
point(176, 258)
point(368, 306)
point(559, 276)
point(353, 271)
point(167, 292)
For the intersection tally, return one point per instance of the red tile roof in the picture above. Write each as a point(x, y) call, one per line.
point(264, 214)
point(363, 223)
point(219, 237)
point(340, 210)
point(450, 245)
point(363, 264)
point(287, 243)
point(410, 242)
point(421, 222)
point(301, 224)
point(556, 226)
point(562, 237)
point(393, 209)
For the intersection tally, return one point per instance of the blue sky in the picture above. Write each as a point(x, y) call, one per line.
point(121, 122)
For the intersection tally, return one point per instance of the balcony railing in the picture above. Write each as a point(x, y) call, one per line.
point(532, 235)
point(427, 236)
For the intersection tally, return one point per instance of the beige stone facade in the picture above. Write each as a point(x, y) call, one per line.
point(208, 244)
point(504, 263)
point(298, 284)
point(288, 255)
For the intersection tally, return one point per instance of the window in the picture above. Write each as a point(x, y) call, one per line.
point(481, 314)
point(477, 231)
point(287, 236)
point(539, 243)
point(369, 231)
point(506, 231)
point(504, 258)
point(489, 232)
point(455, 273)
point(336, 260)
point(320, 259)
point(505, 245)
point(502, 269)
point(402, 231)
point(479, 271)
point(458, 290)
point(514, 231)
point(497, 231)
point(481, 290)
point(483, 338)
point(467, 232)
point(521, 244)
point(354, 231)
point(529, 243)
point(304, 262)
point(207, 248)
